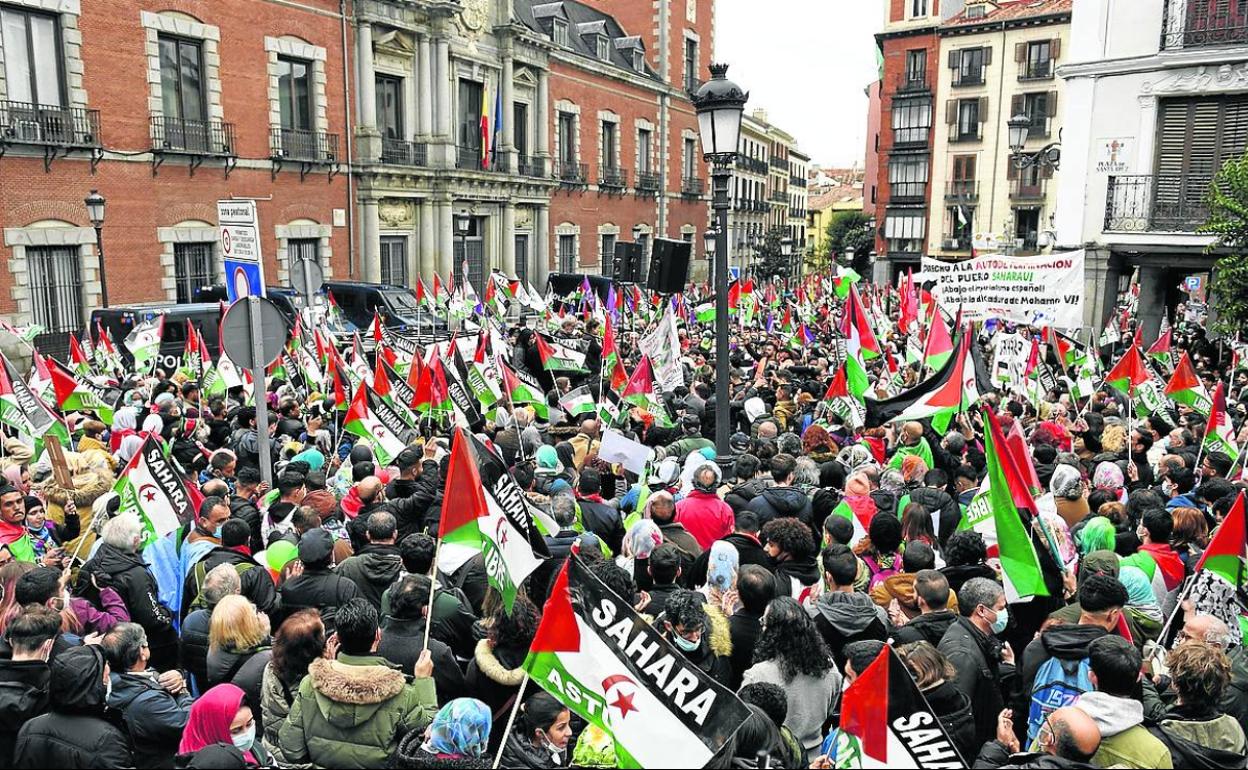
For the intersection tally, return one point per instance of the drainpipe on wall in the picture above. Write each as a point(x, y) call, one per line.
point(346, 123)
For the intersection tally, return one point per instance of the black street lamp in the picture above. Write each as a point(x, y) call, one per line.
point(1019, 131)
point(463, 224)
point(720, 104)
point(786, 251)
point(95, 213)
point(710, 239)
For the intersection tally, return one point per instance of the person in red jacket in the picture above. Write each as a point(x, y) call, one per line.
point(703, 514)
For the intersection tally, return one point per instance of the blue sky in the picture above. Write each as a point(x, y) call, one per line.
point(807, 63)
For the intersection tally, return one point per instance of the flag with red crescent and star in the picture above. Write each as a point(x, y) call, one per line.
point(602, 660)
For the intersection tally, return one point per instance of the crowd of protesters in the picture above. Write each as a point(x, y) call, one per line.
point(299, 637)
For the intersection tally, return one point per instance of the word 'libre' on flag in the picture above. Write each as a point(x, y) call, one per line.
point(595, 654)
point(486, 512)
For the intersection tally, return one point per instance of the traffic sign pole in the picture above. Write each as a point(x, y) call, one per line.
point(259, 390)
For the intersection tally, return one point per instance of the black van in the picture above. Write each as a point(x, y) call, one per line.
point(563, 284)
point(121, 320)
point(396, 304)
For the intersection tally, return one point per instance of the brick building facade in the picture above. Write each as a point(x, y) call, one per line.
point(165, 108)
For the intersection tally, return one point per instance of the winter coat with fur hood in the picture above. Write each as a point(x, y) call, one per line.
point(352, 712)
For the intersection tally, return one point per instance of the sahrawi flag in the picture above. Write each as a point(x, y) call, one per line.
point(1217, 586)
point(886, 722)
point(143, 342)
point(75, 395)
point(1186, 388)
point(486, 512)
point(603, 661)
point(1220, 434)
point(579, 401)
point(373, 420)
point(152, 487)
point(23, 411)
point(556, 357)
point(948, 391)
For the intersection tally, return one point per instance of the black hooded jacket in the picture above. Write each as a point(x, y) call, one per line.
point(848, 617)
point(23, 696)
point(126, 573)
point(925, 628)
point(779, 502)
point(79, 731)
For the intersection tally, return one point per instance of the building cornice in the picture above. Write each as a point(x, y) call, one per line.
point(1157, 62)
point(1052, 19)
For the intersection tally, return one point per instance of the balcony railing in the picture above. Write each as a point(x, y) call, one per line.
point(956, 242)
point(531, 165)
point(296, 144)
point(192, 137)
point(778, 197)
point(45, 124)
point(970, 78)
point(1156, 203)
point(1036, 70)
point(1028, 190)
point(907, 192)
point(957, 134)
point(648, 183)
point(779, 162)
point(1040, 128)
point(404, 153)
point(912, 83)
point(752, 165)
point(692, 186)
point(1200, 23)
point(962, 190)
point(571, 173)
point(468, 158)
point(797, 181)
point(612, 177)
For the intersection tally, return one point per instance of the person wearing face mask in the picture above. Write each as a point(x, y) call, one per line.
point(985, 666)
point(700, 631)
point(1055, 664)
point(24, 677)
point(221, 716)
point(47, 536)
point(155, 705)
point(79, 730)
point(541, 734)
point(208, 520)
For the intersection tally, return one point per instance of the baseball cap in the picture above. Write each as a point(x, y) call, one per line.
point(315, 546)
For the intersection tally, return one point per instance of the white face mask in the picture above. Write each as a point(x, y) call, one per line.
point(244, 742)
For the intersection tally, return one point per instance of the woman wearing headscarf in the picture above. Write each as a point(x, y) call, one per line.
point(1067, 488)
point(18, 477)
point(818, 444)
point(1109, 477)
point(458, 737)
point(639, 542)
point(1142, 605)
point(125, 420)
point(221, 716)
point(722, 566)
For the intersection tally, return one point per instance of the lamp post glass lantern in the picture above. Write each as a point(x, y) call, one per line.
point(1018, 133)
point(1020, 126)
point(720, 104)
point(95, 213)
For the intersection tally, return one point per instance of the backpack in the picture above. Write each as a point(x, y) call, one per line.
point(1058, 684)
point(200, 570)
point(880, 574)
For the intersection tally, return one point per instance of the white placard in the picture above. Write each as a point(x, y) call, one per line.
point(618, 448)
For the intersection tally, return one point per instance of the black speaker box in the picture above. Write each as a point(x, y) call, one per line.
point(669, 266)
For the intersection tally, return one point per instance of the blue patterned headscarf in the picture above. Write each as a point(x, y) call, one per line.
point(460, 729)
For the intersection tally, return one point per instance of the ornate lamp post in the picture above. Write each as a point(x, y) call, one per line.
point(95, 213)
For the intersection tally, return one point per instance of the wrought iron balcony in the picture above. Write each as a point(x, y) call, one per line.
point(648, 183)
point(468, 158)
point(778, 162)
point(401, 152)
point(972, 134)
point(692, 186)
point(1170, 203)
point(1028, 190)
point(909, 83)
point(612, 177)
point(47, 124)
point(572, 174)
point(1201, 24)
point(962, 190)
point(969, 78)
point(1036, 70)
point(304, 146)
point(531, 165)
point(192, 137)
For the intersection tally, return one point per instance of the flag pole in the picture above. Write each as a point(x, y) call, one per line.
point(511, 721)
point(433, 585)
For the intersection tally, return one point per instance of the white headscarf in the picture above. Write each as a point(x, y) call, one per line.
point(125, 418)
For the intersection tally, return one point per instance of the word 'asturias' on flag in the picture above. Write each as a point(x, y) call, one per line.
point(602, 660)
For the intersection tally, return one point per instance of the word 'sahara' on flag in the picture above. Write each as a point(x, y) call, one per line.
point(887, 723)
point(601, 659)
point(485, 511)
point(375, 421)
point(152, 487)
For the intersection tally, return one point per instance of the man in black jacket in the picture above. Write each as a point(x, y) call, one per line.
point(756, 589)
point(931, 591)
point(24, 677)
point(193, 643)
point(403, 637)
point(257, 585)
point(414, 491)
point(243, 504)
point(599, 516)
point(783, 499)
point(937, 501)
point(317, 587)
point(155, 705)
point(985, 667)
point(843, 615)
point(1069, 739)
point(378, 564)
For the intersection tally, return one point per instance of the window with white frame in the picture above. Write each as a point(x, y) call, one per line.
point(394, 260)
point(905, 231)
point(912, 119)
point(560, 32)
point(604, 48)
